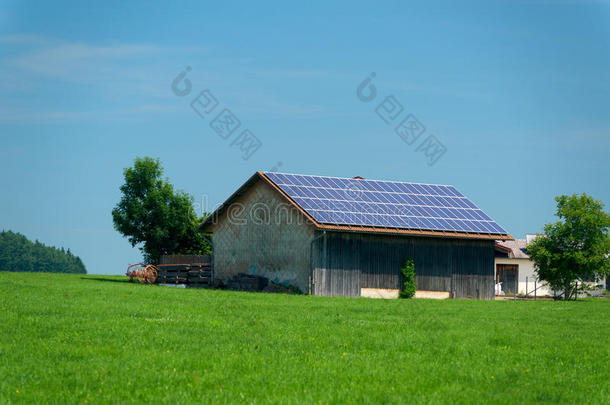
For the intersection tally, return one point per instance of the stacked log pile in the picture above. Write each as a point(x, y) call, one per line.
point(194, 273)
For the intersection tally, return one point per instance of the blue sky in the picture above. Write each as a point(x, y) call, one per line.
point(517, 91)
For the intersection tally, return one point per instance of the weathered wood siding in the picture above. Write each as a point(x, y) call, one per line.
point(261, 234)
point(346, 262)
point(185, 259)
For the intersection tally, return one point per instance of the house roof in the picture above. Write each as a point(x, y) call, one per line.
point(516, 247)
point(351, 216)
point(501, 248)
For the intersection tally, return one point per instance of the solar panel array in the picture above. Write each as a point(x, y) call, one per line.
point(387, 204)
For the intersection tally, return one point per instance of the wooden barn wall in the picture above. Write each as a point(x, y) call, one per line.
point(346, 262)
point(184, 259)
point(263, 235)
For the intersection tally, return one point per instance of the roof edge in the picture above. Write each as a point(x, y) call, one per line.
point(362, 178)
point(290, 200)
point(503, 248)
point(414, 232)
point(223, 207)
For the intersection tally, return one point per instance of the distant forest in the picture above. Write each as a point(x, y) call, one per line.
point(17, 253)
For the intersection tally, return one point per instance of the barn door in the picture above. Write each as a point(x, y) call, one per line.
point(337, 282)
point(507, 274)
point(464, 286)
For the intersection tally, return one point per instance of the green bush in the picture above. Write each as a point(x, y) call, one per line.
point(409, 285)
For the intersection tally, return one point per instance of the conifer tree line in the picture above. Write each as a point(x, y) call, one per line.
point(18, 253)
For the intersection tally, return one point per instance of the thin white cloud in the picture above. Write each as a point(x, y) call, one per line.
point(22, 39)
point(293, 74)
point(137, 76)
point(79, 60)
point(8, 115)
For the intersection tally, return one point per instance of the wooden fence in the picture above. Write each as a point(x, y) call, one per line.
point(185, 269)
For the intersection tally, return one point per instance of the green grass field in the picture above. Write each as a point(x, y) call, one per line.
point(93, 339)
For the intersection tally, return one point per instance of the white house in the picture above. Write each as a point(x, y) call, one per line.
point(514, 269)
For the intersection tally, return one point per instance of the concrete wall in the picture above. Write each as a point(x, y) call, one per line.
point(262, 234)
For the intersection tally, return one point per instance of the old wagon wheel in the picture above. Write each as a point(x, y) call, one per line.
point(151, 274)
point(133, 272)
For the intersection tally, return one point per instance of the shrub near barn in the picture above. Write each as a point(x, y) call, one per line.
point(409, 286)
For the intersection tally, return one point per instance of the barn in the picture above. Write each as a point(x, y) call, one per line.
point(336, 236)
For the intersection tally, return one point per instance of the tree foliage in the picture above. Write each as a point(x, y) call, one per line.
point(409, 285)
point(576, 247)
point(18, 253)
point(155, 216)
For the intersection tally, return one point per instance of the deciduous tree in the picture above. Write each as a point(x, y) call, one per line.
point(155, 216)
point(576, 247)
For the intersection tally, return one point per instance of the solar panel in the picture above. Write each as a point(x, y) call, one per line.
point(387, 204)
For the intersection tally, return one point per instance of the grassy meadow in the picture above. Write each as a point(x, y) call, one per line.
point(98, 339)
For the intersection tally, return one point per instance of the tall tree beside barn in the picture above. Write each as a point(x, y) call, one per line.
point(576, 247)
point(156, 217)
